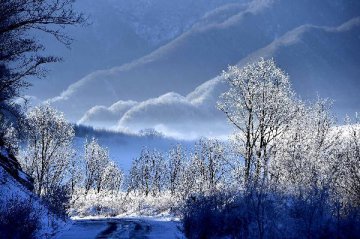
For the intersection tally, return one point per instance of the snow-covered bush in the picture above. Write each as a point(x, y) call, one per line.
point(254, 214)
point(19, 219)
point(58, 200)
point(215, 216)
point(122, 203)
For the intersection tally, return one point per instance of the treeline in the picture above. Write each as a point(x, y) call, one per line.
point(46, 152)
point(50, 158)
point(181, 173)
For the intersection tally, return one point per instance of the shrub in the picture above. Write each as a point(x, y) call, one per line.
point(58, 201)
point(19, 219)
point(273, 215)
point(215, 216)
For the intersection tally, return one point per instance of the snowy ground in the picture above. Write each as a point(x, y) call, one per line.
point(135, 228)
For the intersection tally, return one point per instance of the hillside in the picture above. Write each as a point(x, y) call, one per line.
point(320, 61)
point(21, 211)
point(225, 36)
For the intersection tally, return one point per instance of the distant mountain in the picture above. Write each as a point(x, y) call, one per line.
point(119, 32)
point(222, 37)
point(319, 60)
point(322, 61)
point(124, 147)
point(158, 21)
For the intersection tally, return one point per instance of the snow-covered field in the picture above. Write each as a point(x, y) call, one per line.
point(127, 227)
point(121, 204)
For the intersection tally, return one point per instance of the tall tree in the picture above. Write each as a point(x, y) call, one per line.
point(259, 103)
point(96, 161)
point(148, 173)
point(175, 165)
point(49, 147)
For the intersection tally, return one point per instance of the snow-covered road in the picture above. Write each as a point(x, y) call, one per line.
point(135, 228)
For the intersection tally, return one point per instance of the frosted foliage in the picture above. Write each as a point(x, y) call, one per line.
point(11, 139)
point(208, 166)
point(259, 104)
point(76, 173)
point(48, 147)
point(147, 174)
point(112, 177)
point(96, 161)
point(347, 175)
point(176, 164)
point(303, 156)
point(9, 135)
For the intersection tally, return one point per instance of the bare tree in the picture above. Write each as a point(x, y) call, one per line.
point(21, 51)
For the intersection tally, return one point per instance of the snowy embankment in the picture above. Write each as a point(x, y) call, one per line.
point(124, 227)
point(14, 195)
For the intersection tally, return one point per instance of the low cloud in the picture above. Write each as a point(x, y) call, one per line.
point(106, 117)
point(174, 115)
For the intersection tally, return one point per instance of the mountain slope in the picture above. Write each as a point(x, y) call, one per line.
point(119, 31)
point(320, 60)
point(223, 37)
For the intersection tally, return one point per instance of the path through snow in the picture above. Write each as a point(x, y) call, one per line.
point(124, 228)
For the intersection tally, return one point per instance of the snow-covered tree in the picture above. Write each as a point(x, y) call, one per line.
point(48, 147)
point(347, 164)
point(158, 172)
point(76, 173)
point(10, 138)
point(259, 103)
point(148, 173)
point(175, 166)
point(304, 156)
point(206, 170)
point(112, 177)
point(96, 161)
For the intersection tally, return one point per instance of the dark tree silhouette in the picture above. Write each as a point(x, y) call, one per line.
point(21, 52)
